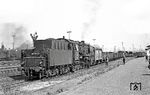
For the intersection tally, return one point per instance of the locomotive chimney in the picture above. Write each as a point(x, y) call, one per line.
point(63, 37)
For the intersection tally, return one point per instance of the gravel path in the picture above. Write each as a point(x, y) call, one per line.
point(66, 82)
point(117, 81)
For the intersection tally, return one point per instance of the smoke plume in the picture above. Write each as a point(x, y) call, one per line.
point(11, 32)
point(91, 7)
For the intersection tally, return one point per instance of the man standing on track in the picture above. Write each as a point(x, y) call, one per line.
point(124, 58)
point(148, 56)
point(107, 60)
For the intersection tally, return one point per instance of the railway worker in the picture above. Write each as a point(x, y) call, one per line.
point(148, 56)
point(107, 60)
point(124, 58)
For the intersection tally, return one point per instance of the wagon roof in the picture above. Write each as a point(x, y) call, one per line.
point(71, 41)
point(34, 57)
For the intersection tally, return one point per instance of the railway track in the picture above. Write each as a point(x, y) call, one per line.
point(10, 78)
point(9, 87)
point(9, 71)
point(9, 84)
point(8, 67)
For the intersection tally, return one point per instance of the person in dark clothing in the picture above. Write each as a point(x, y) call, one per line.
point(107, 60)
point(146, 57)
point(124, 58)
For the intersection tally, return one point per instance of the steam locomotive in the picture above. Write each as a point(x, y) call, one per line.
point(51, 57)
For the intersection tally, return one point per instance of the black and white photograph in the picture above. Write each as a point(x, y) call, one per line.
point(74, 47)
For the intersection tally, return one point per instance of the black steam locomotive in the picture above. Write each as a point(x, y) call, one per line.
point(52, 57)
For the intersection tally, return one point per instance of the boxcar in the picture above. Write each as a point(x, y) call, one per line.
point(98, 55)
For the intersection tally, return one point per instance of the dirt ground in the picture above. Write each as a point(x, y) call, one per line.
point(133, 78)
point(57, 85)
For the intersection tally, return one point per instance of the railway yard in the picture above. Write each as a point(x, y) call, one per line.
point(13, 83)
point(78, 47)
point(53, 66)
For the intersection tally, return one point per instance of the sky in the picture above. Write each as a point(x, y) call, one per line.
point(110, 22)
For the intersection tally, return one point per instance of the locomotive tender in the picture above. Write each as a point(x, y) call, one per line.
point(52, 57)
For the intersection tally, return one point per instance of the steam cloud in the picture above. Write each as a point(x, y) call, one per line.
point(92, 8)
point(19, 32)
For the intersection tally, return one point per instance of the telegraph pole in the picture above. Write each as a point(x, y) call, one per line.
point(133, 47)
point(114, 48)
point(27, 46)
point(123, 48)
point(103, 47)
point(69, 34)
point(140, 48)
point(13, 40)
